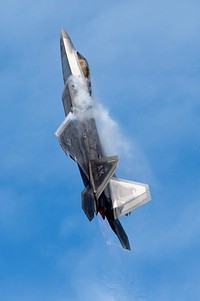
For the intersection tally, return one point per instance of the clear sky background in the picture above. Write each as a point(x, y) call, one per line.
point(145, 64)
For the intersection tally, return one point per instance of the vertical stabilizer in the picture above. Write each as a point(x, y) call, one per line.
point(88, 203)
point(100, 171)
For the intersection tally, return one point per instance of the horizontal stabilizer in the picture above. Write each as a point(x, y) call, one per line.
point(121, 234)
point(100, 171)
point(127, 195)
point(88, 203)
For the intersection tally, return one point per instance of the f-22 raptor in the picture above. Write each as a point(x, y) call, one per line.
point(104, 193)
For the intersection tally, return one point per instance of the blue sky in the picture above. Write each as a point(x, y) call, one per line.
point(144, 58)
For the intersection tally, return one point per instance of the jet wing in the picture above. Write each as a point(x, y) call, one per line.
point(69, 137)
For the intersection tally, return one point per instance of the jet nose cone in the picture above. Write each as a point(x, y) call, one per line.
point(63, 34)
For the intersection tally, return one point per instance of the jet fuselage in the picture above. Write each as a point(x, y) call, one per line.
point(78, 136)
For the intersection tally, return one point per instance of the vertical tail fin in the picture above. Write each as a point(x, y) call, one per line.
point(100, 172)
point(88, 203)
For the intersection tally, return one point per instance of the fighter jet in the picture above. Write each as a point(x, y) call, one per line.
point(78, 135)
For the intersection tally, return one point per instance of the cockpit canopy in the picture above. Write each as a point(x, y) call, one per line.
point(84, 65)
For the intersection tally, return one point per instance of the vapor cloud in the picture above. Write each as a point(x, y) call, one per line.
point(114, 142)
